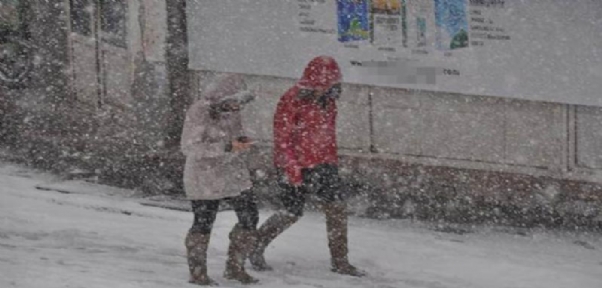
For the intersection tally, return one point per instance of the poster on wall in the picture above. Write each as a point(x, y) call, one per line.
point(388, 24)
point(544, 50)
point(452, 24)
point(353, 20)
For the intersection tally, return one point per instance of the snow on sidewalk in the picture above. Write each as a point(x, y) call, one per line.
point(50, 239)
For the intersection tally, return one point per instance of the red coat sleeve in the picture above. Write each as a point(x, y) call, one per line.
point(284, 137)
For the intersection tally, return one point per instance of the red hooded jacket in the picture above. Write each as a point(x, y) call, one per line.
point(304, 130)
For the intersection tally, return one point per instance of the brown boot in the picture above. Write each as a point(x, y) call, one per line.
point(336, 227)
point(272, 227)
point(241, 243)
point(196, 252)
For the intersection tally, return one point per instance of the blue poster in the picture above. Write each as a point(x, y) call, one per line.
point(452, 24)
point(353, 20)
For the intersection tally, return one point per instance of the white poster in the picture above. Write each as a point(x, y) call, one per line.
point(545, 50)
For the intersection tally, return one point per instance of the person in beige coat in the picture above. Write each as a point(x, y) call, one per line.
point(216, 169)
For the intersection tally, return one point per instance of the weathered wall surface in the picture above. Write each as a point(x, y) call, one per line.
point(404, 153)
point(441, 155)
point(588, 126)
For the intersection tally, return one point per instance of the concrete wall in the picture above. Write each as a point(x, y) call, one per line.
point(438, 129)
point(398, 146)
point(476, 129)
point(433, 126)
point(588, 127)
point(443, 149)
point(534, 138)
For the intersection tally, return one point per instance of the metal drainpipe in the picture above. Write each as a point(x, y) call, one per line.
point(98, 53)
point(371, 120)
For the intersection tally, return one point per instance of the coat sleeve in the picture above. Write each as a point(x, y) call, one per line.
point(194, 137)
point(284, 124)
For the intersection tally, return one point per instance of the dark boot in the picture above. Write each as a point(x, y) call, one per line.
point(336, 227)
point(196, 252)
point(272, 227)
point(241, 243)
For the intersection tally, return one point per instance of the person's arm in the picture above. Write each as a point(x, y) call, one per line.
point(284, 129)
point(195, 139)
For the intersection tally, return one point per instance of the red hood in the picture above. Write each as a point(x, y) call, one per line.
point(321, 72)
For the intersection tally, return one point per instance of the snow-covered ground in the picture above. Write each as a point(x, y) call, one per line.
point(87, 239)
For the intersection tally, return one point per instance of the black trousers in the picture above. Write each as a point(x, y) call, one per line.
point(323, 181)
point(205, 212)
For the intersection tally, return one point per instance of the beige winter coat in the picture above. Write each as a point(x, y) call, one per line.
point(211, 173)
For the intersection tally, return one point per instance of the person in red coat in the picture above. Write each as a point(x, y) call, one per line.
point(305, 157)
